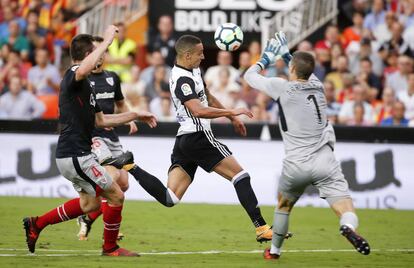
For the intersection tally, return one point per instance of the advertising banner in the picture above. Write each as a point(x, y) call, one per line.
point(202, 17)
point(379, 175)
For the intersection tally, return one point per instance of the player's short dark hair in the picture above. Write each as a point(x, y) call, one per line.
point(98, 39)
point(80, 45)
point(304, 64)
point(186, 43)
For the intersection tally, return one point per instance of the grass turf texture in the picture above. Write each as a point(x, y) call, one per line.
point(149, 227)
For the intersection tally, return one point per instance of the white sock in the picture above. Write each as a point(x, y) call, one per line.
point(274, 250)
point(174, 198)
point(349, 219)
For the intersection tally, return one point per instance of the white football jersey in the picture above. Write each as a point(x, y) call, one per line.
point(302, 112)
point(186, 84)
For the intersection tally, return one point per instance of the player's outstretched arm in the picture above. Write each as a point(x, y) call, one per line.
point(237, 123)
point(89, 63)
point(112, 120)
point(198, 110)
point(122, 107)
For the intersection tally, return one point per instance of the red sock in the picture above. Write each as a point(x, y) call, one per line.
point(95, 214)
point(65, 212)
point(112, 221)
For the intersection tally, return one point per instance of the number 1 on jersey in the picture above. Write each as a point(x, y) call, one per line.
point(318, 112)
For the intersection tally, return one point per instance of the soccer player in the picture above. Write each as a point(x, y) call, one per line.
point(79, 113)
point(105, 141)
point(309, 140)
point(195, 144)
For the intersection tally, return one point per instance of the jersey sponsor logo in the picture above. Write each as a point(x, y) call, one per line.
point(105, 95)
point(92, 100)
point(110, 81)
point(74, 68)
point(186, 89)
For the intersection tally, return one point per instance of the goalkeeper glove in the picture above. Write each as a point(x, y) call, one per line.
point(269, 54)
point(284, 49)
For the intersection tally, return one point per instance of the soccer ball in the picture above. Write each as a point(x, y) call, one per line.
point(228, 36)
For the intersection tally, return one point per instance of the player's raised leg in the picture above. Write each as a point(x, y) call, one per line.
point(230, 169)
point(334, 189)
point(67, 211)
point(348, 221)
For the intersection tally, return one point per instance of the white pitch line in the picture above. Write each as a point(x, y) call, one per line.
point(97, 253)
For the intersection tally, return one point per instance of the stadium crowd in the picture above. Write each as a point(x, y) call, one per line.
point(366, 65)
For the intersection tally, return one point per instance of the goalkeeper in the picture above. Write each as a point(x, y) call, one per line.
point(309, 141)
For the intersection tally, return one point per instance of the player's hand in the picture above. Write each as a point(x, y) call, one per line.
point(269, 54)
point(148, 118)
point(283, 44)
point(240, 111)
point(110, 33)
point(239, 126)
point(133, 128)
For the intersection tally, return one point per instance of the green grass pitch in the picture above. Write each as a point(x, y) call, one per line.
point(216, 229)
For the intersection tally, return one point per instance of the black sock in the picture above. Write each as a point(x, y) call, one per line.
point(248, 199)
point(152, 185)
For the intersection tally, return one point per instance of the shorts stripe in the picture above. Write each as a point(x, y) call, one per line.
point(220, 144)
point(81, 173)
point(222, 150)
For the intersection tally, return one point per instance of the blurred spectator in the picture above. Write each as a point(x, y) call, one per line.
point(224, 59)
point(305, 46)
point(164, 40)
point(397, 118)
point(247, 94)
point(376, 16)
point(8, 16)
point(354, 32)
point(396, 42)
point(382, 32)
point(156, 59)
point(35, 34)
point(370, 78)
point(136, 84)
point(391, 63)
point(244, 61)
point(20, 104)
point(346, 93)
point(333, 107)
point(336, 76)
point(357, 51)
point(347, 113)
point(134, 91)
point(233, 101)
point(384, 110)
point(16, 40)
point(398, 80)
point(407, 97)
point(331, 37)
point(158, 87)
point(322, 63)
point(358, 118)
point(221, 89)
point(14, 61)
point(335, 51)
point(407, 18)
point(163, 109)
point(279, 68)
point(121, 54)
point(43, 78)
point(255, 51)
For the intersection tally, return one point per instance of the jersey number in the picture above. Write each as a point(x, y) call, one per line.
point(318, 112)
point(96, 172)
